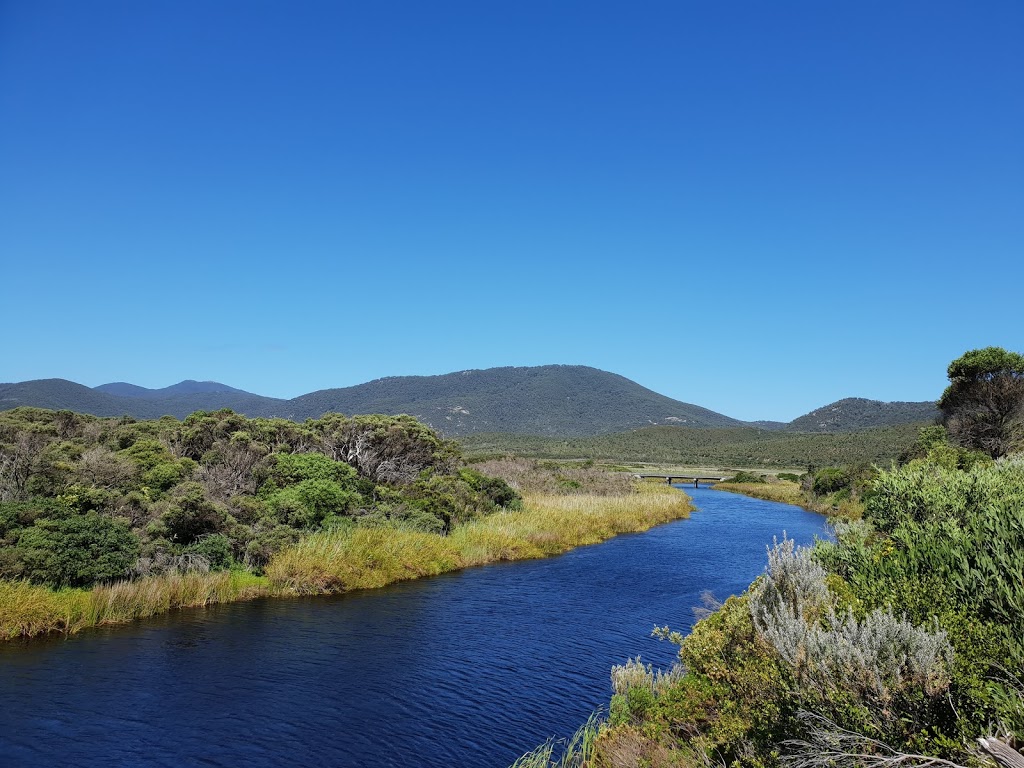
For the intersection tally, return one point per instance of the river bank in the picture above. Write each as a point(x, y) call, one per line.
point(472, 667)
point(788, 492)
point(867, 645)
point(330, 562)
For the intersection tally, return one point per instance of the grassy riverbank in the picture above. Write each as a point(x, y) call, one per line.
point(28, 609)
point(843, 506)
point(336, 561)
point(346, 559)
point(783, 491)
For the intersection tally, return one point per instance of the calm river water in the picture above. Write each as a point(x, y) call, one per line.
point(464, 670)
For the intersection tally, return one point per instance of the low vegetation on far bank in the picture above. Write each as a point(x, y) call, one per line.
point(693, 446)
point(841, 492)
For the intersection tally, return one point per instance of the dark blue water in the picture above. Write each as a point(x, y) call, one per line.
point(468, 669)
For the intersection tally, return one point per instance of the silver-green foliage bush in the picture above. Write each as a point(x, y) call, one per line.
point(876, 657)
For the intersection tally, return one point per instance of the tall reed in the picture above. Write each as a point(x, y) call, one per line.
point(28, 609)
point(339, 559)
point(782, 491)
point(578, 751)
point(125, 601)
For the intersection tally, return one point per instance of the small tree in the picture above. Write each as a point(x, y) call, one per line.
point(190, 515)
point(984, 402)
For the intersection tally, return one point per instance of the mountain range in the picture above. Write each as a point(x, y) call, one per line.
point(549, 400)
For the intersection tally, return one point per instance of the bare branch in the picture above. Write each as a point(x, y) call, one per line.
point(831, 746)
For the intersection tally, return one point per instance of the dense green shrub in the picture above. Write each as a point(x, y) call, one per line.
point(290, 468)
point(218, 487)
point(946, 539)
point(747, 477)
point(499, 492)
point(77, 550)
point(215, 549)
point(306, 504)
point(906, 631)
point(191, 515)
point(265, 542)
point(830, 480)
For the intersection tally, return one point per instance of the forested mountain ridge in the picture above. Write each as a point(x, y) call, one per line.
point(552, 400)
point(853, 413)
point(61, 394)
point(565, 400)
point(186, 387)
point(548, 400)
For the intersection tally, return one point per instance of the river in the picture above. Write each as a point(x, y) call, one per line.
point(469, 669)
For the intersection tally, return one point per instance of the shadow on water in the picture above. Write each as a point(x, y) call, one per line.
point(467, 669)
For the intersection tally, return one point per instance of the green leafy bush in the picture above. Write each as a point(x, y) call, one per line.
point(746, 477)
point(830, 480)
point(77, 551)
point(191, 515)
point(215, 549)
point(306, 504)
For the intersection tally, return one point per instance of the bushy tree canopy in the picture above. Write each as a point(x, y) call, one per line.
point(983, 405)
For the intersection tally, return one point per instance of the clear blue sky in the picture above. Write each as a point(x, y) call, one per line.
point(758, 207)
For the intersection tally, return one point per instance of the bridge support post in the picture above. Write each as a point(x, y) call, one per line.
point(696, 482)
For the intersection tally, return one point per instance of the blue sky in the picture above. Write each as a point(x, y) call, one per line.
point(756, 207)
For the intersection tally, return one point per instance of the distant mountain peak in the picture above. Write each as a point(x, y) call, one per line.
point(855, 413)
point(546, 400)
point(185, 387)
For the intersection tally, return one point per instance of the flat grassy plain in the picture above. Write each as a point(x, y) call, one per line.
point(347, 559)
point(688, 446)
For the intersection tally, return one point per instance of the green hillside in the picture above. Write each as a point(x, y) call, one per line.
point(562, 400)
point(857, 413)
point(60, 394)
point(187, 387)
point(557, 401)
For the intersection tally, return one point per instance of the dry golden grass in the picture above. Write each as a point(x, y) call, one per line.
point(360, 558)
point(783, 491)
point(28, 609)
point(336, 561)
point(125, 601)
point(789, 492)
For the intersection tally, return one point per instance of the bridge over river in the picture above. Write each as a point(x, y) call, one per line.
point(696, 479)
